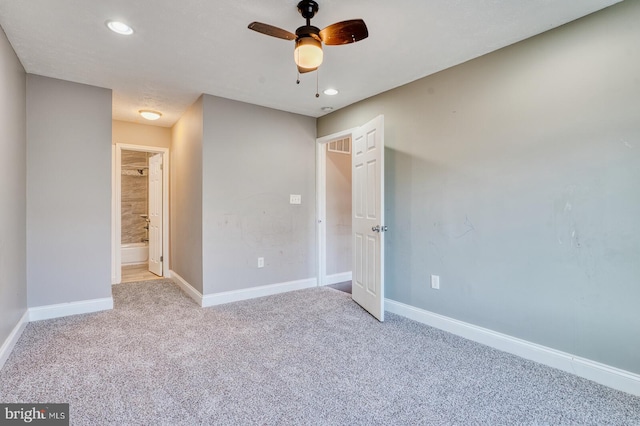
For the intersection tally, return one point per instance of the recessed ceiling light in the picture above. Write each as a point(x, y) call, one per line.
point(331, 92)
point(327, 109)
point(119, 27)
point(150, 115)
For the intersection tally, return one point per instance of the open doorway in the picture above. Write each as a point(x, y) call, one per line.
point(140, 213)
point(334, 211)
point(366, 144)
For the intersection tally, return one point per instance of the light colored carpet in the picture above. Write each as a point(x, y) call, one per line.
point(306, 357)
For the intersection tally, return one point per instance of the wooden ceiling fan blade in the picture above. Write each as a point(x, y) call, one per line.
point(344, 32)
point(272, 31)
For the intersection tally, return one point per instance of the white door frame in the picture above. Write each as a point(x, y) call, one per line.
point(116, 205)
point(321, 200)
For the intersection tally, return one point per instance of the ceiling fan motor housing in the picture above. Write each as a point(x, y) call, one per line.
point(308, 31)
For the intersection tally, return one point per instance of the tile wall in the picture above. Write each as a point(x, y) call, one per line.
point(135, 179)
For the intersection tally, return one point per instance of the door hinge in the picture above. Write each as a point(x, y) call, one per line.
point(161, 166)
point(161, 258)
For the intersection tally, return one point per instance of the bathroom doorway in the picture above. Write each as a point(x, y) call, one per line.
point(140, 213)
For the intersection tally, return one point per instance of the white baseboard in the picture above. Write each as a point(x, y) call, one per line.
point(72, 308)
point(338, 278)
point(254, 292)
point(187, 288)
point(238, 295)
point(12, 339)
point(601, 373)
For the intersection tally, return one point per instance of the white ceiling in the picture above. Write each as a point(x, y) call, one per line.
point(181, 49)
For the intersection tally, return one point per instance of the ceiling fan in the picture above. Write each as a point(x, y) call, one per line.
point(308, 51)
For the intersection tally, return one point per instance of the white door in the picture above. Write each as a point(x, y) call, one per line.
point(368, 217)
point(155, 214)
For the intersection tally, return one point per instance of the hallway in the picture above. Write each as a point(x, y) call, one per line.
point(133, 273)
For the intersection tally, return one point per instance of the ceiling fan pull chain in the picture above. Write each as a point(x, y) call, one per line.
point(317, 85)
point(298, 69)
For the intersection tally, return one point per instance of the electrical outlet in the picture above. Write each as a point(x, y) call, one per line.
point(295, 199)
point(261, 262)
point(435, 282)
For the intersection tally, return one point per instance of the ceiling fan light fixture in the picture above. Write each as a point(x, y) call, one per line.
point(150, 115)
point(308, 53)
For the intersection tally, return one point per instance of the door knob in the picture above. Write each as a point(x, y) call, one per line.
point(379, 228)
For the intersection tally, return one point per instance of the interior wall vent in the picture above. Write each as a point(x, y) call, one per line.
point(343, 146)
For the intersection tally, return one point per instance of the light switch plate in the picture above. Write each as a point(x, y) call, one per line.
point(435, 282)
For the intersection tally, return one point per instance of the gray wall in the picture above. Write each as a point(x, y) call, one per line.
point(254, 157)
point(515, 178)
point(68, 191)
point(186, 196)
point(338, 188)
point(13, 162)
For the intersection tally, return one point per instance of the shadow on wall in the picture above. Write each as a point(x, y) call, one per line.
point(398, 206)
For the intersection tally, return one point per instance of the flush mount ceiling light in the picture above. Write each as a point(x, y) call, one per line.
point(330, 92)
point(309, 39)
point(150, 115)
point(119, 27)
